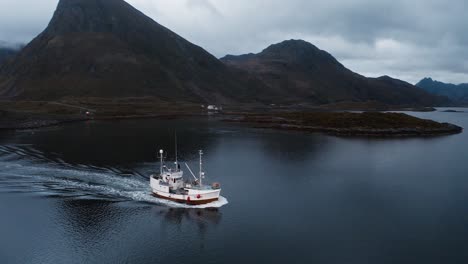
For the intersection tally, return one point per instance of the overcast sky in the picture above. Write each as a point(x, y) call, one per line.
point(407, 39)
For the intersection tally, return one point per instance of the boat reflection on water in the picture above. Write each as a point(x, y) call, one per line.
point(203, 218)
point(197, 221)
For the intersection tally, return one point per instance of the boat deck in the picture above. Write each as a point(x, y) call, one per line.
point(183, 191)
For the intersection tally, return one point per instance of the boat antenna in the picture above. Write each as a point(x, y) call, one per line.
point(201, 169)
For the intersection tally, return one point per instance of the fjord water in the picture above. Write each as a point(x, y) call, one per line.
point(78, 194)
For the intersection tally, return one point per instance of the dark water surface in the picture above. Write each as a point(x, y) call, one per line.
point(79, 194)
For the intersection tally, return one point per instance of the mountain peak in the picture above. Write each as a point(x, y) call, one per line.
point(74, 16)
point(292, 44)
point(291, 47)
point(427, 79)
point(299, 52)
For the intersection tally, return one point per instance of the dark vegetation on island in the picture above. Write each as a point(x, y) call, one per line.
point(349, 124)
point(452, 111)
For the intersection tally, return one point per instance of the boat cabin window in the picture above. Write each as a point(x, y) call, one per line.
point(174, 180)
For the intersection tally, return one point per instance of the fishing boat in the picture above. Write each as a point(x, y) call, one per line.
point(169, 184)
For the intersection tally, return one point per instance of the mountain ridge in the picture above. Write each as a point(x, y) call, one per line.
point(300, 68)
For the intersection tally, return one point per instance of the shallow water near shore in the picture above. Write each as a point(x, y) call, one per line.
point(79, 193)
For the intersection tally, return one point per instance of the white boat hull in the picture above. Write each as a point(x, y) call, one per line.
point(191, 197)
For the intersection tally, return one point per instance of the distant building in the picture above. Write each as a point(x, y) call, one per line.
point(214, 108)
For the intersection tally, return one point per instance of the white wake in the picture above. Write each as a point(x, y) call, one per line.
point(24, 169)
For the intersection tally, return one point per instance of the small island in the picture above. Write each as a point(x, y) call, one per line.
point(452, 111)
point(349, 124)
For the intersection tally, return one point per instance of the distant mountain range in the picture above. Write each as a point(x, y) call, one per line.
point(457, 93)
point(107, 48)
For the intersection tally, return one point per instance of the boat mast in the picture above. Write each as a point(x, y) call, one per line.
point(176, 162)
point(161, 153)
point(201, 171)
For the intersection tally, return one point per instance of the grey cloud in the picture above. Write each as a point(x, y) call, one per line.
point(21, 20)
point(404, 39)
point(204, 4)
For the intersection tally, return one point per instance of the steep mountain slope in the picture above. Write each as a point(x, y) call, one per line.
point(6, 53)
point(457, 93)
point(107, 48)
point(301, 72)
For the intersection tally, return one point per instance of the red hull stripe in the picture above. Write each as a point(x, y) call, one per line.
point(191, 202)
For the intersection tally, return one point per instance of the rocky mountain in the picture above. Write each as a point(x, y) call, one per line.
point(457, 93)
point(301, 72)
point(107, 48)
